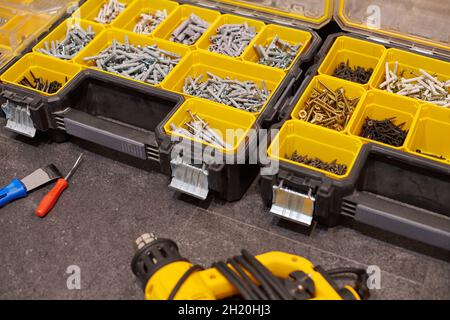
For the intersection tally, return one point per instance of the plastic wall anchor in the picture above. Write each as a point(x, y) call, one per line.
point(18, 119)
point(189, 179)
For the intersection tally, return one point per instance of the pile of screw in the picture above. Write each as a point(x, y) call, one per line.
point(40, 84)
point(384, 131)
point(423, 86)
point(277, 53)
point(357, 74)
point(232, 39)
point(430, 155)
point(333, 167)
point(109, 11)
point(328, 108)
point(76, 39)
point(190, 30)
point(147, 64)
point(198, 128)
point(3, 21)
point(148, 22)
point(241, 95)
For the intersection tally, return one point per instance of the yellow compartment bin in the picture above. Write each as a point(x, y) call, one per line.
point(205, 42)
point(315, 142)
point(380, 106)
point(106, 38)
point(289, 35)
point(5, 55)
point(431, 135)
point(128, 20)
point(199, 63)
point(60, 33)
point(6, 16)
point(352, 91)
point(48, 68)
point(91, 8)
point(219, 117)
point(357, 52)
point(164, 31)
point(409, 64)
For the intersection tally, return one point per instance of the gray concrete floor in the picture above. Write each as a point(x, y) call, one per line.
point(109, 204)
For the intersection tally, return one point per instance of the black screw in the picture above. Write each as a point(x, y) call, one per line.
point(384, 131)
point(357, 74)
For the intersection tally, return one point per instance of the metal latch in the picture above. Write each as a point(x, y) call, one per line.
point(189, 179)
point(18, 119)
point(293, 205)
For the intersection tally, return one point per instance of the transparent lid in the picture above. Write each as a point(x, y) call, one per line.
point(313, 13)
point(416, 23)
point(23, 21)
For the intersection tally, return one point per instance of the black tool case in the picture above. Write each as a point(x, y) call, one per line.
point(129, 116)
point(395, 190)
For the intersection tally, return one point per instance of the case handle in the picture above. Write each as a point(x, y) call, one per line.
point(434, 230)
point(108, 134)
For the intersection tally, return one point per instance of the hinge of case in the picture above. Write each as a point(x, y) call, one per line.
point(292, 205)
point(18, 119)
point(189, 179)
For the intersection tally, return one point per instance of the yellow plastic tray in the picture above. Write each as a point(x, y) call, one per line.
point(131, 15)
point(409, 62)
point(49, 68)
point(198, 63)
point(59, 33)
point(290, 35)
point(205, 42)
point(380, 106)
point(357, 52)
point(431, 134)
point(106, 38)
point(315, 141)
point(219, 117)
point(90, 9)
point(164, 31)
point(352, 91)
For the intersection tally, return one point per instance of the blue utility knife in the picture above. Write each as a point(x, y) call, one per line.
point(20, 188)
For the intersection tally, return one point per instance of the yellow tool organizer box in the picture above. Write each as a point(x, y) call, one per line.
point(102, 93)
point(371, 145)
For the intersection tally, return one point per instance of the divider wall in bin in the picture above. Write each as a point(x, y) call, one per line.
point(110, 111)
point(404, 190)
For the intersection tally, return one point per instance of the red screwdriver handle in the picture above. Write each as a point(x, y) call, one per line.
point(50, 199)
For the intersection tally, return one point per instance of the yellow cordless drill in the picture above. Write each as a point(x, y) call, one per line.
point(165, 275)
